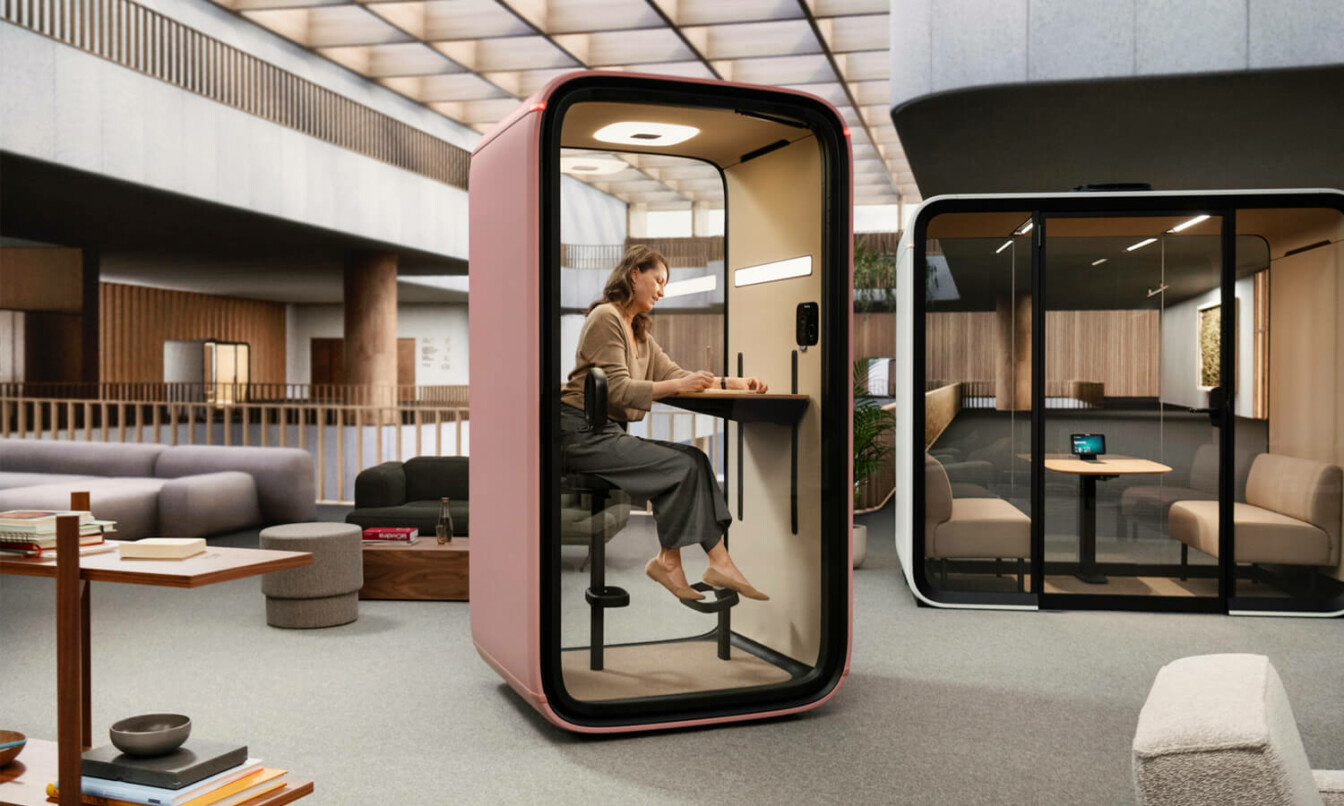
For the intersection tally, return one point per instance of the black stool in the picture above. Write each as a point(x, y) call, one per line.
point(600, 595)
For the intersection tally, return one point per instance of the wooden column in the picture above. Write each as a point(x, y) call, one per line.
point(371, 324)
point(1012, 355)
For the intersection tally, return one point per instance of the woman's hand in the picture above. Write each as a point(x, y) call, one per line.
point(695, 382)
point(748, 385)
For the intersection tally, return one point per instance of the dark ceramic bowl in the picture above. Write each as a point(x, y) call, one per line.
point(16, 741)
point(150, 734)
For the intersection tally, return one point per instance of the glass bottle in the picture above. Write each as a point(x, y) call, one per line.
point(444, 528)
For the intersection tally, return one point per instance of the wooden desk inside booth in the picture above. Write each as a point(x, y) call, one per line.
point(744, 406)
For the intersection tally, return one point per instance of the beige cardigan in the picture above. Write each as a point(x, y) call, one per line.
point(605, 342)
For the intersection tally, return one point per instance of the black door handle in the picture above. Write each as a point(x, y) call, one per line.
point(1217, 408)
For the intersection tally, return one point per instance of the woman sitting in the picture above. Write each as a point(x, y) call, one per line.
point(688, 506)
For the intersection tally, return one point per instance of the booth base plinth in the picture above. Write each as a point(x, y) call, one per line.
point(660, 669)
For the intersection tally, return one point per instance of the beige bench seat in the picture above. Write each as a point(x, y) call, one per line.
point(1291, 515)
point(970, 528)
point(1262, 535)
point(981, 527)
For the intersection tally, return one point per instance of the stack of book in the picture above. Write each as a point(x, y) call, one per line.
point(32, 532)
point(200, 773)
point(398, 535)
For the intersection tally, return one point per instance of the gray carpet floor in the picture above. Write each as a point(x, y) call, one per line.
point(940, 707)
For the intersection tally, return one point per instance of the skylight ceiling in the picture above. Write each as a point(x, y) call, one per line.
point(474, 60)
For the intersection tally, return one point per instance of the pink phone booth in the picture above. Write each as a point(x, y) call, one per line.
point(591, 656)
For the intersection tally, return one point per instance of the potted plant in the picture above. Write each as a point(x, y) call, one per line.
point(871, 423)
point(874, 280)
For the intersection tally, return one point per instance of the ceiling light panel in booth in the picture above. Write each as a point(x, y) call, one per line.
point(473, 60)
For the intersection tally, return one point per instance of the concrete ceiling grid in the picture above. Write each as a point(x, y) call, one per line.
point(181, 190)
point(473, 60)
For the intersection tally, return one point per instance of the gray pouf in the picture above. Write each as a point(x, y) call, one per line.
point(324, 594)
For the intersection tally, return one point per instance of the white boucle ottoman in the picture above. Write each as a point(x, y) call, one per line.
point(324, 594)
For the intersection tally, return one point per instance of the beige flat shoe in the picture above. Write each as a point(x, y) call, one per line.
point(658, 574)
point(718, 580)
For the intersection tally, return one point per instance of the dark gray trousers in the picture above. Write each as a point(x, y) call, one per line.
point(688, 505)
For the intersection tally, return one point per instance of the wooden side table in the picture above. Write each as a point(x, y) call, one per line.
point(74, 574)
point(423, 570)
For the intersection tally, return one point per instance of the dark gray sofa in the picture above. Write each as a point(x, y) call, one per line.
point(408, 494)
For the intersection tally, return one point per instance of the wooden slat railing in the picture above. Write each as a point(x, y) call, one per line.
point(160, 47)
point(454, 396)
point(344, 438)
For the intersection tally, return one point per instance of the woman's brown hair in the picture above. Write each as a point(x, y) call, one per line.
point(619, 290)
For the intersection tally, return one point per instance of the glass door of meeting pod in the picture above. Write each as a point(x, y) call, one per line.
point(1095, 419)
point(1130, 405)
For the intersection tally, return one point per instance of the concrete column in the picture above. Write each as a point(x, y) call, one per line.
point(637, 221)
point(1012, 353)
point(371, 324)
point(700, 219)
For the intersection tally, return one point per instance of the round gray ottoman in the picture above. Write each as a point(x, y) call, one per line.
point(323, 594)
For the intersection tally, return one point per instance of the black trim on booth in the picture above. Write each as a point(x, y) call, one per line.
point(1037, 402)
point(1227, 368)
point(793, 450)
point(738, 426)
point(762, 151)
point(833, 650)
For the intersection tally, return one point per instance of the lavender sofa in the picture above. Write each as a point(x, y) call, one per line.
point(150, 490)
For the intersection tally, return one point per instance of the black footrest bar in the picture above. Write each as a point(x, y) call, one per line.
point(610, 596)
point(722, 604)
point(724, 598)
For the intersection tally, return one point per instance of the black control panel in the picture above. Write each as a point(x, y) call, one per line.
point(808, 326)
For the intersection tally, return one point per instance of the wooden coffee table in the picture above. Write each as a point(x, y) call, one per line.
point(423, 570)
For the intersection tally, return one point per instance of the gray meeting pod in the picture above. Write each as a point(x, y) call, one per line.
point(1123, 400)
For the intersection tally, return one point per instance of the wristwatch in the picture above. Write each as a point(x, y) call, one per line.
point(723, 382)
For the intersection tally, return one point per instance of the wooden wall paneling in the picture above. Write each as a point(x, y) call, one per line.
point(1012, 353)
point(959, 346)
point(42, 279)
point(684, 336)
point(874, 335)
point(136, 320)
point(1119, 349)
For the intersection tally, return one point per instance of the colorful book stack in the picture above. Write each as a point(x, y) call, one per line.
point(200, 773)
point(32, 532)
point(402, 535)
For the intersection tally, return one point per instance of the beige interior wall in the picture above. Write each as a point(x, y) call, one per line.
point(775, 213)
point(1306, 353)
